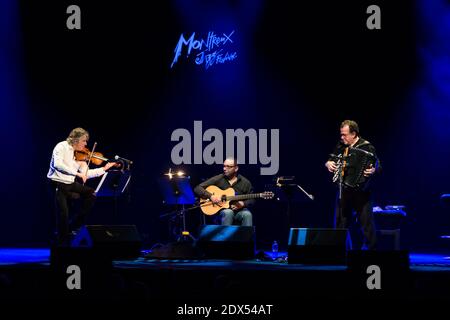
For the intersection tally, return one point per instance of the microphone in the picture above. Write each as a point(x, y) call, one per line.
point(126, 160)
point(278, 184)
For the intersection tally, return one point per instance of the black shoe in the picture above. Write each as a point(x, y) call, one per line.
point(74, 232)
point(72, 236)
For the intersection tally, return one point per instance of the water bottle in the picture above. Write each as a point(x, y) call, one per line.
point(274, 250)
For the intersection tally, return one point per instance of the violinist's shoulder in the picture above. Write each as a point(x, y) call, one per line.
point(63, 145)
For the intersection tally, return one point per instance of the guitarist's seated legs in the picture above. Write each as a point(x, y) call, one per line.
point(242, 217)
point(227, 217)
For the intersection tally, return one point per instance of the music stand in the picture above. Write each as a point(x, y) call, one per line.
point(113, 184)
point(177, 191)
point(288, 191)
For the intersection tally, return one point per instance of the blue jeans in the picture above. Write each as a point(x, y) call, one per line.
point(242, 217)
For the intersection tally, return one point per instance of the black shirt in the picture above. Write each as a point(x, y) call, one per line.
point(241, 186)
point(356, 162)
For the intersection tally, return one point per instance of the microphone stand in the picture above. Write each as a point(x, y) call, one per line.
point(123, 161)
point(177, 212)
point(340, 169)
point(306, 193)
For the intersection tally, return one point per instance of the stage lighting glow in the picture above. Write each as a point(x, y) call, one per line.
point(209, 51)
point(171, 174)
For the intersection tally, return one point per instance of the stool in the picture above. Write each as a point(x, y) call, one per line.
point(395, 233)
point(70, 200)
point(445, 203)
point(446, 237)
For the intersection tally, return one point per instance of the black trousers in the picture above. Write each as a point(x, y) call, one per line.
point(64, 223)
point(357, 204)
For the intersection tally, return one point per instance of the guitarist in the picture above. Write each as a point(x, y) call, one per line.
point(238, 213)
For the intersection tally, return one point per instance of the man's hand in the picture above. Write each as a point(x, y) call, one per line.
point(369, 171)
point(237, 206)
point(331, 166)
point(82, 176)
point(216, 200)
point(108, 165)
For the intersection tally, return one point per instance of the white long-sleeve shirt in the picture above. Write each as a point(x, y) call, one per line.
point(64, 167)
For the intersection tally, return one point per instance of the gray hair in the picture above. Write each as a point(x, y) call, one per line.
point(75, 135)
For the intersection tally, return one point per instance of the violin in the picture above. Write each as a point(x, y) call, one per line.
point(97, 158)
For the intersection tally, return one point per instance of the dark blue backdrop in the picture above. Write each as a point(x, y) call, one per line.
point(301, 69)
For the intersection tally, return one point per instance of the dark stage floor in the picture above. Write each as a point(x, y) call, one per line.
point(26, 274)
point(29, 257)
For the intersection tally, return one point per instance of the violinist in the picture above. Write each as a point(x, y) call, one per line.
point(64, 168)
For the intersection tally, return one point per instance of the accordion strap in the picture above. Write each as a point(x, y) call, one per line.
point(344, 163)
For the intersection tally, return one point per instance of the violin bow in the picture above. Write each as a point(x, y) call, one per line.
point(89, 161)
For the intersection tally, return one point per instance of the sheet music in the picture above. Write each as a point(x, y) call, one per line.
point(120, 182)
point(126, 184)
point(101, 182)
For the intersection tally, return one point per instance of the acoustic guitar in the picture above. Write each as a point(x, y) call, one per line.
point(209, 208)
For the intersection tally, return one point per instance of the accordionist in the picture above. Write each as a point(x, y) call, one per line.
point(353, 164)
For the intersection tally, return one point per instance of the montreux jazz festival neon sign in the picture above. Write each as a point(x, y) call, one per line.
point(208, 52)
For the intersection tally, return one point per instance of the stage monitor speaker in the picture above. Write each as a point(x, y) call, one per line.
point(317, 246)
point(227, 242)
point(392, 267)
point(113, 241)
point(393, 259)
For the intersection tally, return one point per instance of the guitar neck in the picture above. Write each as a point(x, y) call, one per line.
point(244, 197)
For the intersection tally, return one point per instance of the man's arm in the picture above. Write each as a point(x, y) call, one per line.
point(331, 162)
point(375, 166)
point(90, 173)
point(200, 190)
point(336, 151)
point(59, 152)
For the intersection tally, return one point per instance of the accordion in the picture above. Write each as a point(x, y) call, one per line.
point(353, 165)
